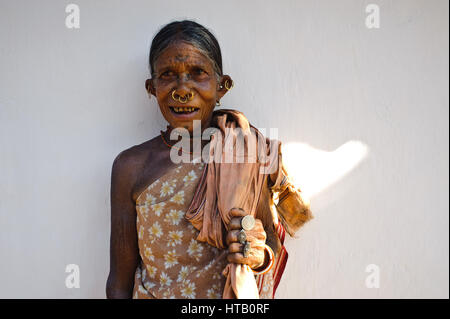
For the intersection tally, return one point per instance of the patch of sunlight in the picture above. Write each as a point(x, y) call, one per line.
point(313, 170)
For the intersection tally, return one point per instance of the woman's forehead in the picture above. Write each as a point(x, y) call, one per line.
point(181, 52)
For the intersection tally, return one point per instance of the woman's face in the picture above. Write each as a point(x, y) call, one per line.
point(184, 69)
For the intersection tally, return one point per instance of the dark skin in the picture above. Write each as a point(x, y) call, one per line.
point(182, 67)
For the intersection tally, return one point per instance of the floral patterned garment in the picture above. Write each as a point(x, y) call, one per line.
point(173, 263)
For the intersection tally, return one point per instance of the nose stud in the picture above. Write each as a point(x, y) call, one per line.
point(183, 99)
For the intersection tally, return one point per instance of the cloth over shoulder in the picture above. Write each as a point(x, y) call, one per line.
point(236, 176)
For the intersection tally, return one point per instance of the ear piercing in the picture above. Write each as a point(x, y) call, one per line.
point(226, 85)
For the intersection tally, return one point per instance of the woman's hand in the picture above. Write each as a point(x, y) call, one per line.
point(256, 237)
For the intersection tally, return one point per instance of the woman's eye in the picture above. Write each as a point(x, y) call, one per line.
point(167, 73)
point(199, 71)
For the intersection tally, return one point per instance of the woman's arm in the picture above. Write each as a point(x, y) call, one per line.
point(124, 251)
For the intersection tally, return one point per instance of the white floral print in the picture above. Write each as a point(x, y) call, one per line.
point(182, 275)
point(213, 292)
point(174, 217)
point(141, 232)
point(195, 249)
point(148, 253)
point(167, 188)
point(155, 231)
point(190, 177)
point(174, 237)
point(171, 259)
point(157, 208)
point(151, 271)
point(178, 198)
point(188, 290)
point(164, 279)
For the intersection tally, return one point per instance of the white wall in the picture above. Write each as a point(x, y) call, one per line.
point(72, 99)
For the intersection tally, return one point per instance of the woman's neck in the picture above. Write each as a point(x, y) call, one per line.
point(185, 136)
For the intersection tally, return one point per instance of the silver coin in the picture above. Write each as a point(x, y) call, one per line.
point(248, 222)
point(242, 237)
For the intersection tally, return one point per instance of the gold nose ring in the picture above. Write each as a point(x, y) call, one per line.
point(173, 97)
point(183, 100)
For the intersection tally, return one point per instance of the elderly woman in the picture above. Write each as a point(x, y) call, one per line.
point(198, 229)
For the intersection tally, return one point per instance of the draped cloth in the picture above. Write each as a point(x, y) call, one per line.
point(239, 161)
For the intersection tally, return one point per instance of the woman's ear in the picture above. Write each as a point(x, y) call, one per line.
point(150, 88)
point(224, 86)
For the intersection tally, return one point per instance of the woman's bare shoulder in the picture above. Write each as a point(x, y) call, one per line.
point(131, 160)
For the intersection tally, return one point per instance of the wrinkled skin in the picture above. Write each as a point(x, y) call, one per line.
point(183, 68)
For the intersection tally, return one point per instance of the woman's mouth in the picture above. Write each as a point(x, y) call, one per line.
point(184, 111)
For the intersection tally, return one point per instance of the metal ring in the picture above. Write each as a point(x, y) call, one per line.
point(183, 100)
point(246, 249)
point(242, 237)
point(248, 222)
point(226, 86)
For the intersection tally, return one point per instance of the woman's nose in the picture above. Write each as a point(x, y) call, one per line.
point(184, 78)
point(183, 87)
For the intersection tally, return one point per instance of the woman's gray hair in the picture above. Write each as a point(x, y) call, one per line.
point(192, 33)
